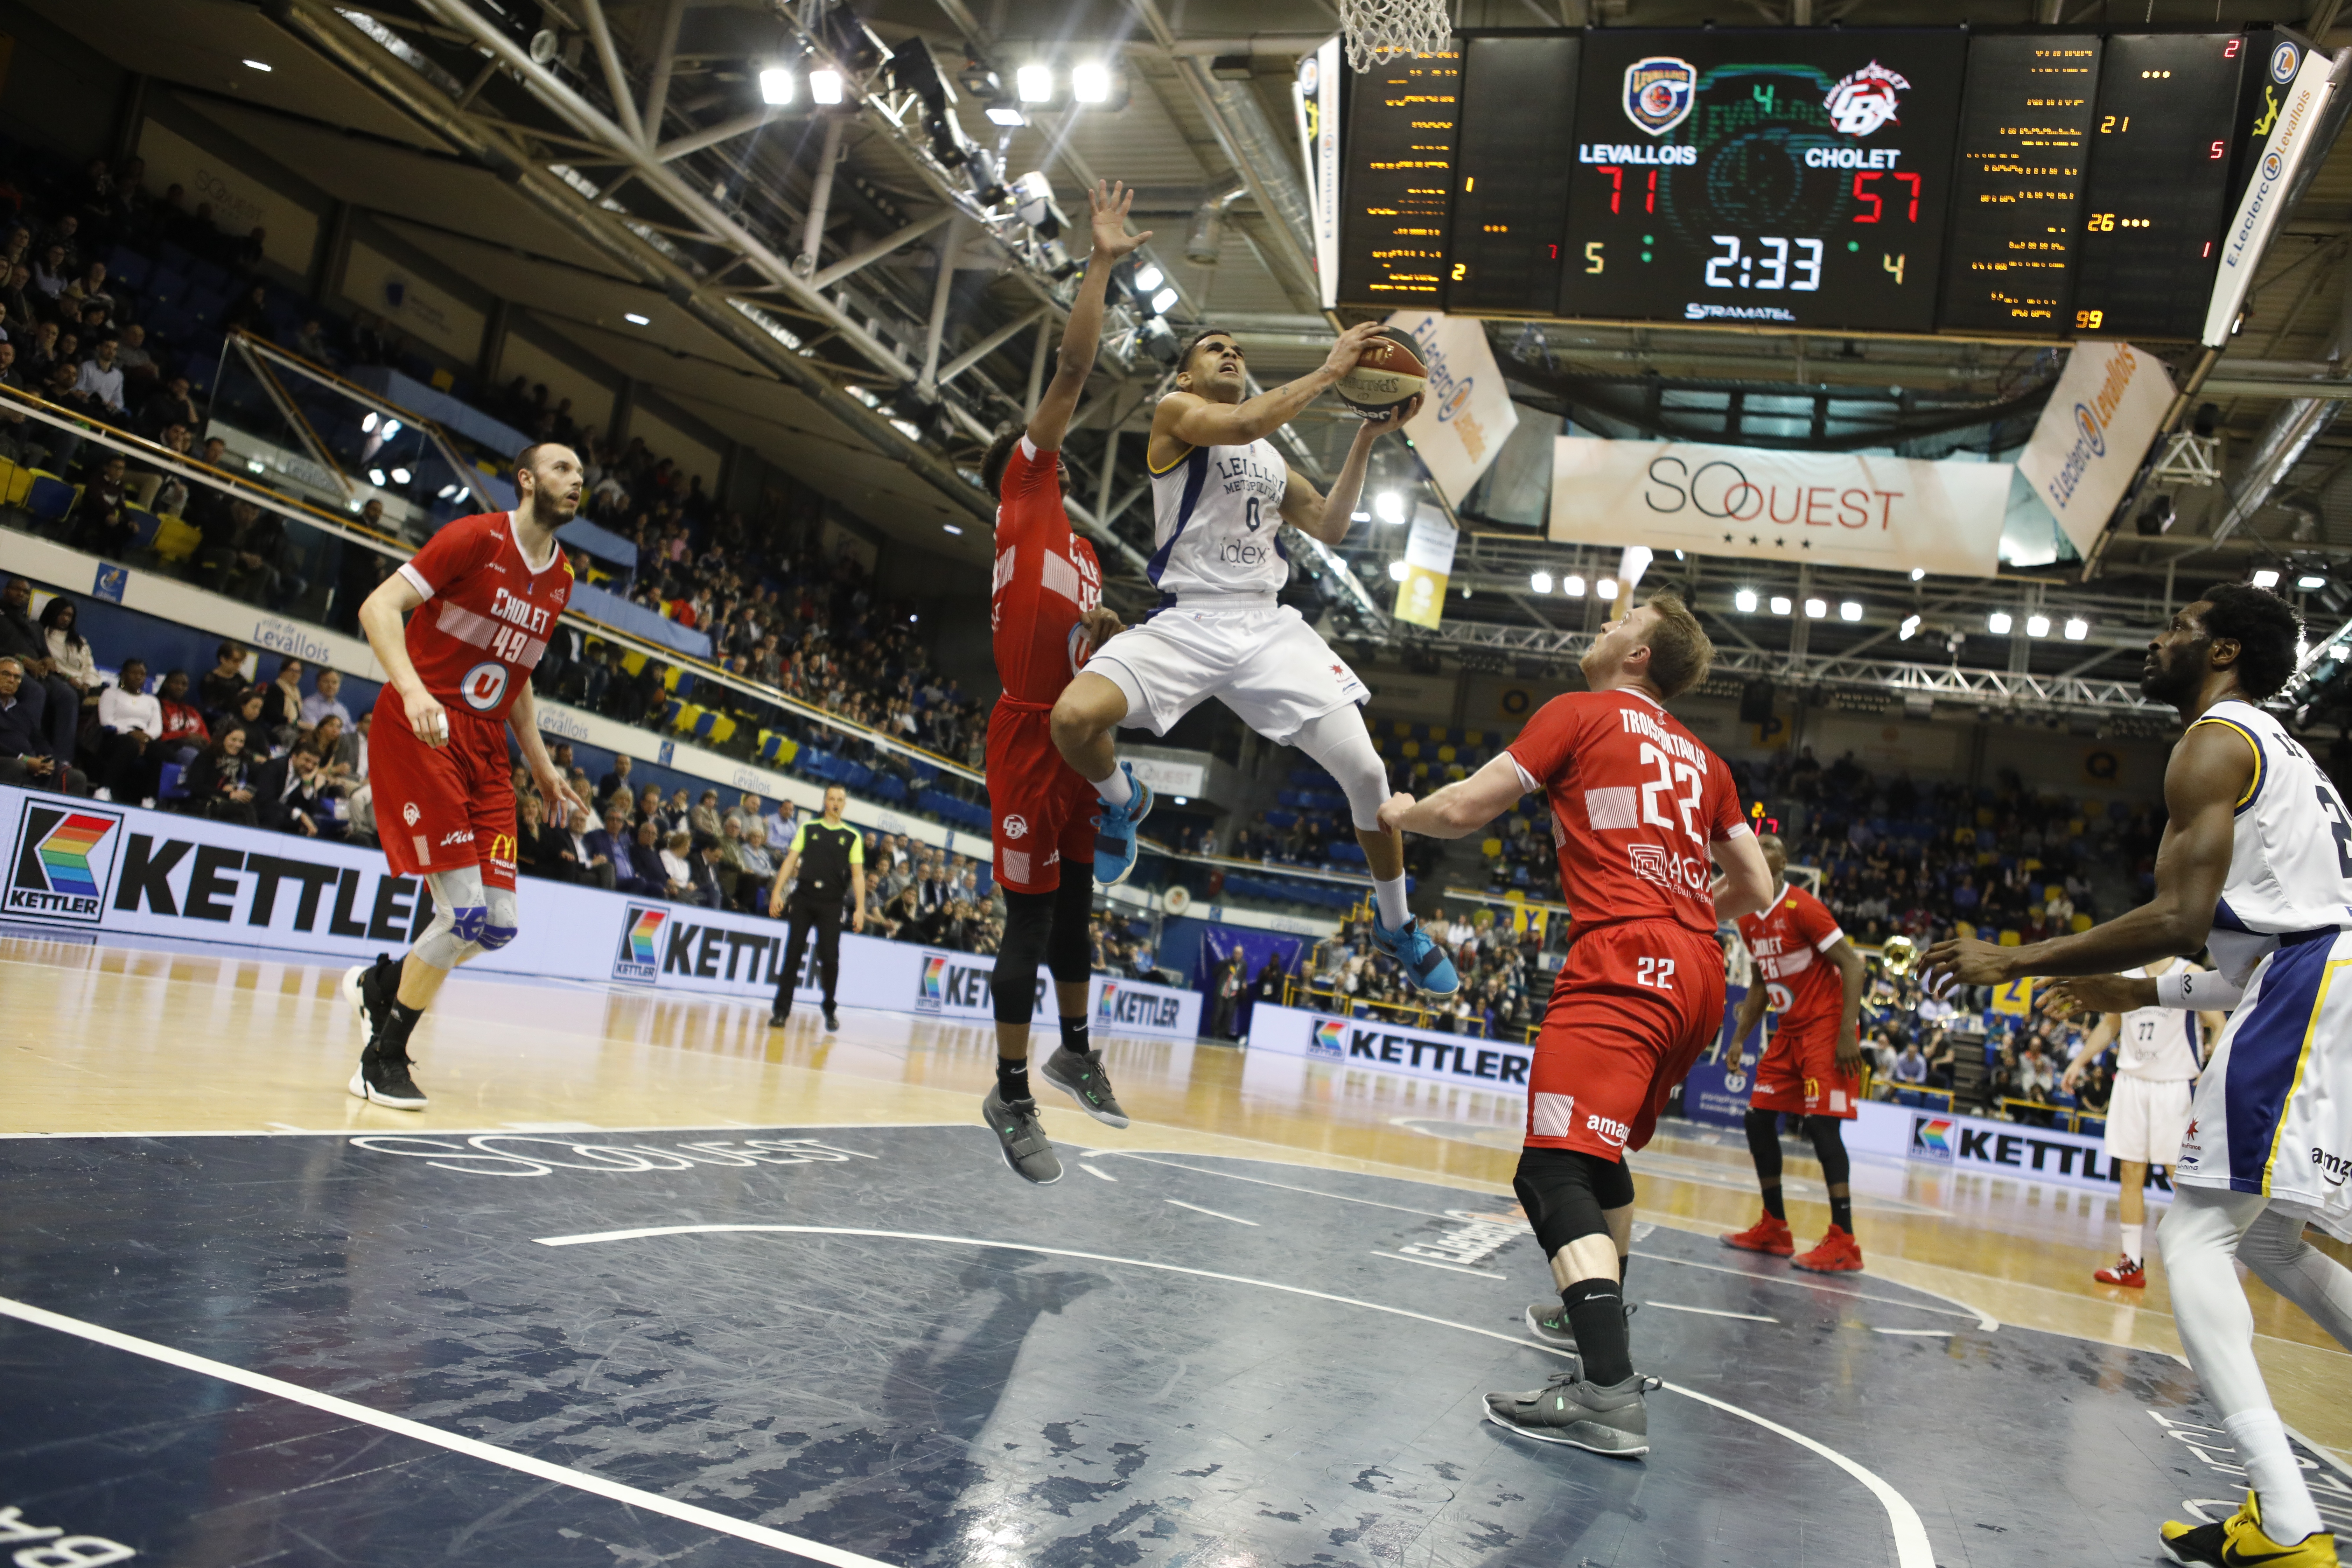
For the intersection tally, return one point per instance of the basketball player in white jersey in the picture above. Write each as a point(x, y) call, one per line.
point(1221, 494)
point(2158, 1051)
point(2257, 864)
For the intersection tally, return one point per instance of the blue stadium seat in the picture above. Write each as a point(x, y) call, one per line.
point(168, 785)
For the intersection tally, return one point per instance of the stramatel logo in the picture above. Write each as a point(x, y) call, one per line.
point(639, 957)
point(62, 862)
point(1931, 1138)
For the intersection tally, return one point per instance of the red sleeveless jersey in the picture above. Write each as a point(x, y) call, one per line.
point(1045, 578)
point(1635, 802)
point(1788, 942)
point(487, 615)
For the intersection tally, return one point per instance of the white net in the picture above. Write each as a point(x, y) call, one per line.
point(1378, 31)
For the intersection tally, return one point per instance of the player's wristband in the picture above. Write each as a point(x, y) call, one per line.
point(2205, 991)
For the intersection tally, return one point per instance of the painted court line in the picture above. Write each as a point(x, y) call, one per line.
point(1914, 1334)
point(1912, 1548)
point(1212, 1213)
point(631, 1496)
point(1712, 1312)
point(1957, 1310)
point(1092, 1171)
point(1285, 1186)
point(1433, 1263)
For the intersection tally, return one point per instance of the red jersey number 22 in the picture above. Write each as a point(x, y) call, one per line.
point(1669, 771)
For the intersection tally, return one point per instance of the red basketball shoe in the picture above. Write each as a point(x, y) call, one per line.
point(2124, 1272)
point(1838, 1253)
point(1767, 1234)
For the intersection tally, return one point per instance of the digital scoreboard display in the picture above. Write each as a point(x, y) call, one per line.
point(1396, 182)
point(2160, 187)
point(2017, 185)
point(1773, 177)
point(1518, 93)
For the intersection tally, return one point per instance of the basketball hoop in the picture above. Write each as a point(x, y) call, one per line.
point(1379, 31)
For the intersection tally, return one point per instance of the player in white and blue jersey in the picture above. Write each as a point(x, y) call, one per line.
point(2256, 865)
point(1221, 495)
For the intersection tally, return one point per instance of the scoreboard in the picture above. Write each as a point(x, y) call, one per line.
point(2032, 182)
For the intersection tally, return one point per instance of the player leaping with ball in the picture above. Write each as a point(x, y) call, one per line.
point(485, 596)
point(1221, 494)
point(1638, 808)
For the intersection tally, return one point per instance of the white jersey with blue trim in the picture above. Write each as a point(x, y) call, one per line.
point(2290, 851)
point(1215, 512)
point(2159, 1044)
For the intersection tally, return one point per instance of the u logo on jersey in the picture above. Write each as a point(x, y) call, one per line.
point(483, 685)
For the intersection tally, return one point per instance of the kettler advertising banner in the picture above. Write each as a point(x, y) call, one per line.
point(1390, 1047)
point(91, 869)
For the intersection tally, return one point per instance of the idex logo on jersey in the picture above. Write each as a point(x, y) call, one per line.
point(62, 859)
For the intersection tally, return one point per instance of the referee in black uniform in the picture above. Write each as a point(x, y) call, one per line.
point(829, 857)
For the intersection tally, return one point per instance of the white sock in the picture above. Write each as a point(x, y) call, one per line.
point(1115, 790)
point(1393, 912)
point(2131, 1243)
point(2288, 1513)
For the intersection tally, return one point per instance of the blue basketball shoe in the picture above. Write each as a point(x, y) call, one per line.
point(1417, 953)
point(1115, 832)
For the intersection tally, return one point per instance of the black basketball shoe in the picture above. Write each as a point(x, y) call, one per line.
point(1613, 1419)
point(383, 1077)
point(1081, 1077)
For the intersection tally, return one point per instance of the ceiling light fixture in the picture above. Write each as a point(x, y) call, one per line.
point(1090, 83)
point(775, 87)
point(1781, 604)
point(1744, 601)
point(1998, 623)
point(1035, 83)
point(1396, 570)
point(2267, 578)
point(259, 66)
point(1909, 629)
point(1540, 582)
point(636, 320)
point(2077, 628)
point(1606, 587)
point(1850, 610)
point(2037, 626)
point(1816, 609)
point(824, 86)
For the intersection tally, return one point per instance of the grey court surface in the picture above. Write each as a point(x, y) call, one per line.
point(875, 1344)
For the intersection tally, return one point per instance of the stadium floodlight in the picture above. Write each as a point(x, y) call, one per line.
point(376, 477)
point(1035, 83)
point(445, 492)
point(2077, 628)
point(2310, 581)
point(1816, 609)
point(400, 476)
point(1850, 610)
point(1918, 573)
point(1606, 587)
point(951, 528)
point(824, 86)
point(1572, 585)
point(1006, 115)
point(775, 87)
point(259, 66)
point(1781, 604)
point(1165, 301)
point(634, 319)
point(1148, 277)
point(391, 428)
point(1909, 629)
point(1396, 570)
point(1090, 83)
point(2267, 578)
point(1998, 623)
point(1744, 601)
point(2037, 626)
point(1540, 582)
point(459, 499)
point(370, 422)
point(1389, 506)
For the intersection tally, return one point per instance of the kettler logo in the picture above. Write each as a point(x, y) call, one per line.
point(64, 857)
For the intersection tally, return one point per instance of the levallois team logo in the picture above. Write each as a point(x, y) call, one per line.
point(62, 862)
point(1659, 92)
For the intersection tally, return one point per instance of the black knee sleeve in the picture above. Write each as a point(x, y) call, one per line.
point(1829, 1147)
point(1566, 1191)
point(1068, 953)
point(1028, 927)
point(1764, 1143)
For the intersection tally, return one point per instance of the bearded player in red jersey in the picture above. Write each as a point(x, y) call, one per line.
point(1638, 807)
point(1046, 612)
point(485, 594)
point(1809, 972)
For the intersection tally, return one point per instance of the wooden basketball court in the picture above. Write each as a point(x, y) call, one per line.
point(649, 1281)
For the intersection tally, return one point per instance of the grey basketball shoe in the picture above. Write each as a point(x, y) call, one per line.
point(1603, 1419)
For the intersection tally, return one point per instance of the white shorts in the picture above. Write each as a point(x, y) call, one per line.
point(2272, 1113)
point(1263, 661)
point(2146, 1119)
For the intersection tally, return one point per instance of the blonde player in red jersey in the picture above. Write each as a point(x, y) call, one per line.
point(1638, 808)
point(481, 600)
point(1045, 613)
point(1809, 973)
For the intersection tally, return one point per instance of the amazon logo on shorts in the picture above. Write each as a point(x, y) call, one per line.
point(1721, 490)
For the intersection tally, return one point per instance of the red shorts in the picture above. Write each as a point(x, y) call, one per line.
point(1635, 1005)
point(1040, 812)
point(438, 809)
point(1799, 1074)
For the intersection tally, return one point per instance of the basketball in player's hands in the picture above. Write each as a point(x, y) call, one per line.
point(1388, 374)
